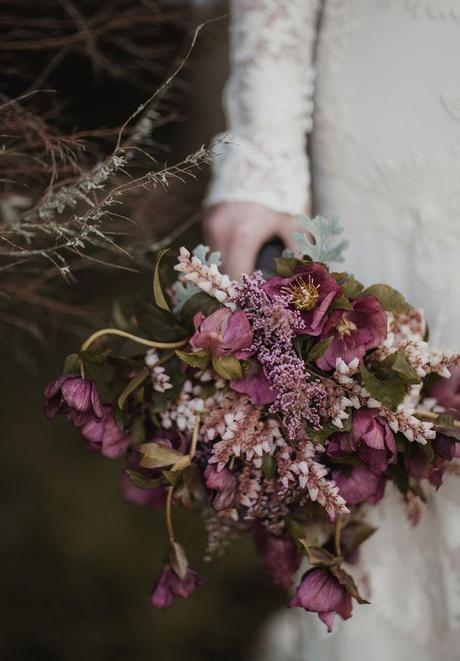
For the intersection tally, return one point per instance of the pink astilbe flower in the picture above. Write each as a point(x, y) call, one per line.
point(237, 430)
point(299, 396)
point(307, 474)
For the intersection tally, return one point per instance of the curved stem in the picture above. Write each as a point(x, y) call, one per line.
point(194, 439)
point(168, 511)
point(134, 338)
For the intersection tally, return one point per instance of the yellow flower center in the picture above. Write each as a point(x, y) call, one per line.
point(345, 327)
point(304, 294)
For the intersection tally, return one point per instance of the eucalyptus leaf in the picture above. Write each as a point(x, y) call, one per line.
point(318, 239)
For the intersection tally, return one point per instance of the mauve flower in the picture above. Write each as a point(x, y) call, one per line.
point(74, 397)
point(223, 333)
point(320, 592)
point(354, 331)
point(154, 498)
point(311, 290)
point(420, 465)
point(357, 484)
point(378, 445)
point(104, 436)
point(255, 385)
point(224, 483)
point(169, 585)
point(279, 555)
point(447, 392)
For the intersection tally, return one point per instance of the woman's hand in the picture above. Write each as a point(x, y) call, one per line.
point(240, 229)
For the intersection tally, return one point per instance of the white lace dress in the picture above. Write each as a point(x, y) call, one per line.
point(376, 85)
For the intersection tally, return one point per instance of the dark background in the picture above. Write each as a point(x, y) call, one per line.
point(77, 562)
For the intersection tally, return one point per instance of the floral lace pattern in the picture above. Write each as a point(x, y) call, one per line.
point(268, 101)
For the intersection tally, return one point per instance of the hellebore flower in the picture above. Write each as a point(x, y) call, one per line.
point(169, 585)
point(423, 466)
point(104, 436)
point(224, 483)
point(74, 397)
point(311, 290)
point(372, 442)
point(222, 333)
point(279, 555)
point(357, 484)
point(320, 592)
point(255, 385)
point(154, 498)
point(354, 331)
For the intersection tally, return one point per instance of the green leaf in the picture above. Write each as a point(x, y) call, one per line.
point(285, 266)
point(341, 303)
point(350, 286)
point(321, 435)
point(227, 367)
point(133, 385)
point(390, 390)
point(445, 424)
point(318, 350)
point(198, 359)
point(138, 434)
point(158, 456)
point(95, 357)
point(318, 556)
point(118, 417)
point(354, 533)
point(268, 466)
point(390, 299)
point(71, 364)
point(171, 477)
point(318, 239)
point(158, 294)
point(348, 583)
point(200, 302)
point(398, 363)
point(158, 324)
point(143, 482)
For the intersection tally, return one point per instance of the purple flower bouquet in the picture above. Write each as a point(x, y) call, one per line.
point(280, 406)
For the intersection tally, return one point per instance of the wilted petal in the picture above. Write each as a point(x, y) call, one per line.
point(280, 557)
point(357, 484)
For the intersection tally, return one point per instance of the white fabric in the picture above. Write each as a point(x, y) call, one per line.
point(385, 158)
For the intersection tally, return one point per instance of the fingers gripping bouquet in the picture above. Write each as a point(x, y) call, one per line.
point(280, 406)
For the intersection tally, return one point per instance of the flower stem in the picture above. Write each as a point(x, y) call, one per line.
point(169, 523)
point(194, 439)
point(431, 415)
point(337, 535)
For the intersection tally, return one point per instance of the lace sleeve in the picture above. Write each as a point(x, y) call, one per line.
point(268, 103)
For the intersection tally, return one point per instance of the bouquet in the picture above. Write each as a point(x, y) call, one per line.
point(280, 406)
